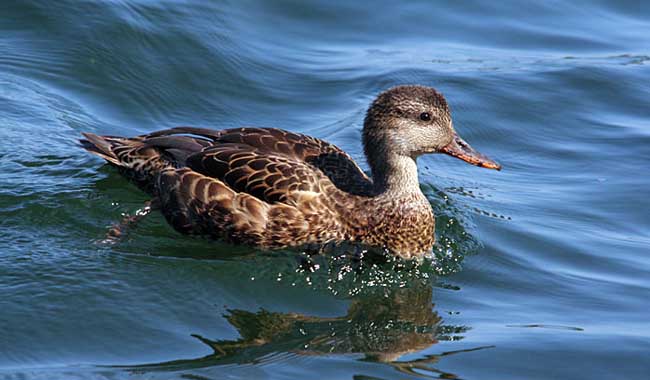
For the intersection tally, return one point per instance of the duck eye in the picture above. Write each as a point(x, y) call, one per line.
point(425, 116)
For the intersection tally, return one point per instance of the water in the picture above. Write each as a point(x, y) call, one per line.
point(542, 269)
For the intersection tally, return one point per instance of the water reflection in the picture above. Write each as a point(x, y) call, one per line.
point(383, 327)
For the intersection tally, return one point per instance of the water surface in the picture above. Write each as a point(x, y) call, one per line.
point(541, 270)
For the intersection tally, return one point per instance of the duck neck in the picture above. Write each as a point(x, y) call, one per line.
point(394, 175)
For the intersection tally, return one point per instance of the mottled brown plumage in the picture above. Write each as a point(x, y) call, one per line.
point(273, 188)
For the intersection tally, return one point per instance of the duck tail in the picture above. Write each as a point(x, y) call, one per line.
point(100, 146)
point(143, 158)
point(133, 157)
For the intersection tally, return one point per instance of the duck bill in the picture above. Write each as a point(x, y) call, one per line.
point(461, 149)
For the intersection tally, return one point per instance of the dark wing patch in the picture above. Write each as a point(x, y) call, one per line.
point(343, 172)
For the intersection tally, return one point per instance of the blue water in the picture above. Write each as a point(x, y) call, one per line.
point(541, 270)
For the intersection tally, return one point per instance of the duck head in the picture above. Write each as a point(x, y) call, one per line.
point(409, 121)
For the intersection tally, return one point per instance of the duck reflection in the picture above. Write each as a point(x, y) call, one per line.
point(383, 327)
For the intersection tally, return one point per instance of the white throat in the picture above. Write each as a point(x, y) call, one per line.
point(397, 175)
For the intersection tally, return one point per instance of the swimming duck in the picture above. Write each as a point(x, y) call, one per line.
point(273, 188)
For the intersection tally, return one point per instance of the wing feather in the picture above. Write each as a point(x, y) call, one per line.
point(271, 145)
point(268, 177)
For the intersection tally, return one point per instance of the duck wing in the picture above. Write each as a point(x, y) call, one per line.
point(269, 176)
point(282, 157)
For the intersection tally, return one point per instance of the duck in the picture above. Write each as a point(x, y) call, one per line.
point(276, 189)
